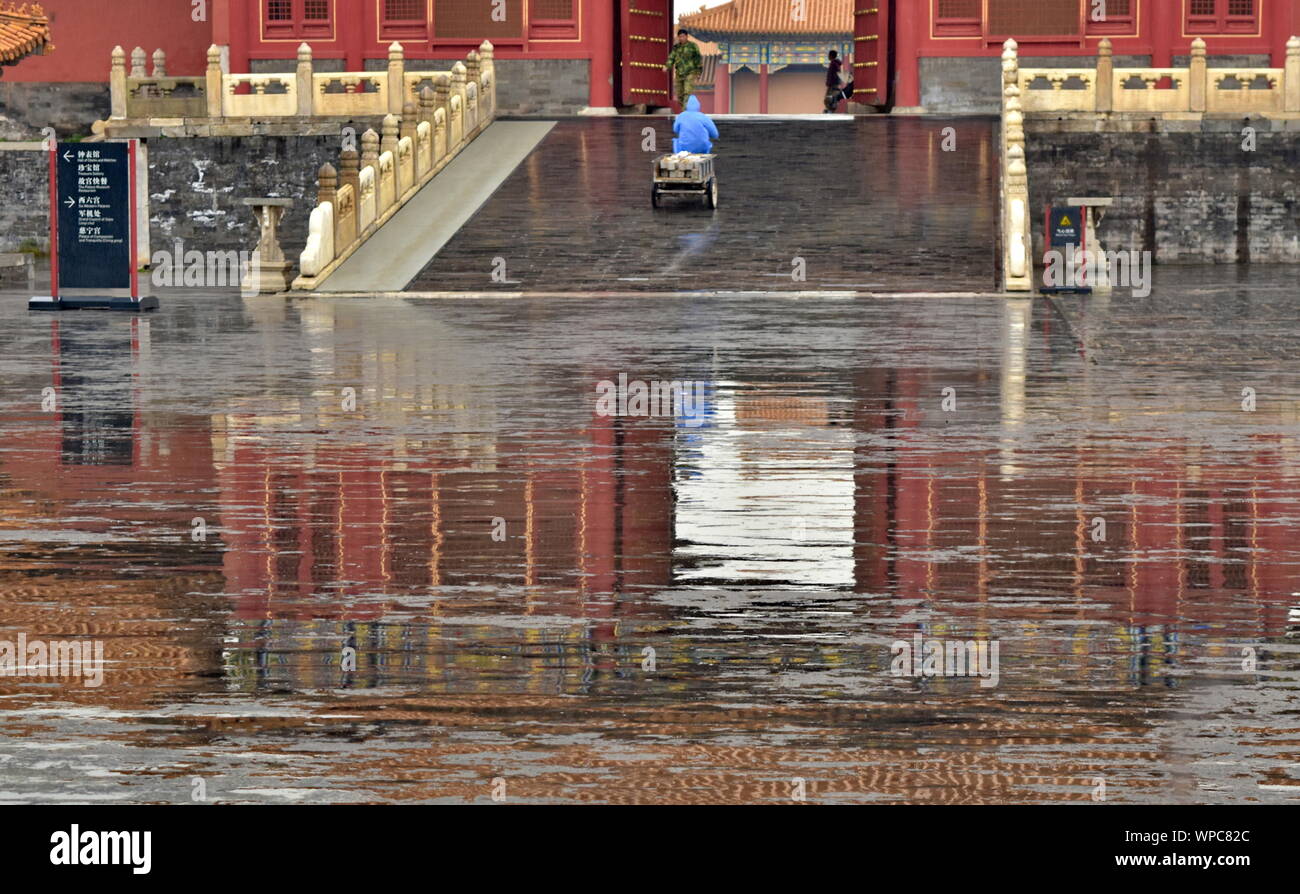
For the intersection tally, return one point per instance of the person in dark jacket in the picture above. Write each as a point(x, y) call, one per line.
point(833, 85)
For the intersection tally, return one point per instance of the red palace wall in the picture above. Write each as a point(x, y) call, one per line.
point(1160, 29)
point(352, 31)
point(84, 35)
point(357, 30)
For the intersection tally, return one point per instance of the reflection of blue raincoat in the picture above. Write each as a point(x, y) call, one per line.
point(694, 129)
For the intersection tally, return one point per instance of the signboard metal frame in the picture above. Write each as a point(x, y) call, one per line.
point(57, 300)
point(1051, 243)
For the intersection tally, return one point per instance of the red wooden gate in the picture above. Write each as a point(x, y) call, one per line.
point(871, 30)
point(647, 27)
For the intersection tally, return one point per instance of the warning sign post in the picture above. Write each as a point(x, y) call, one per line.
point(1065, 258)
point(93, 229)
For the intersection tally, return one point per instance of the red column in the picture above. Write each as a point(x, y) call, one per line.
point(722, 88)
point(221, 13)
point(600, 25)
point(907, 57)
point(1282, 22)
point(762, 89)
point(1164, 26)
point(355, 36)
point(241, 22)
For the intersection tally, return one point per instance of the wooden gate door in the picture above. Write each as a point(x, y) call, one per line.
point(647, 27)
point(871, 74)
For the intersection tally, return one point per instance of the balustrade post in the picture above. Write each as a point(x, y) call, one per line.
point(214, 85)
point(428, 104)
point(137, 63)
point(442, 94)
point(350, 171)
point(306, 95)
point(388, 143)
point(327, 183)
point(1291, 76)
point(457, 123)
point(327, 190)
point(396, 78)
point(1017, 232)
point(409, 119)
point(487, 63)
point(1198, 76)
point(1010, 66)
point(117, 83)
point(370, 152)
point(159, 63)
point(1104, 88)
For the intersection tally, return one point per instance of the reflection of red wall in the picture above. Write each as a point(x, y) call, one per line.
point(294, 527)
point(170, 456)
point(1171, 549)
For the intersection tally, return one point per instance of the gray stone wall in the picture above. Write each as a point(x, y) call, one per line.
point(969, 86)
point(1193, 197)
point(25, 185)
point(70, 108)
point(195, 188)
point(196, 184)
point(283, 66)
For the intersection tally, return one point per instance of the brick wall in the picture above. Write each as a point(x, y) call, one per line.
point(25, 184)
point(195, 188)
point(1188, 197)
point(70, 108)
point(196, 184)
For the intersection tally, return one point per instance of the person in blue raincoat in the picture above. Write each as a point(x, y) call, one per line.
point(694, 129)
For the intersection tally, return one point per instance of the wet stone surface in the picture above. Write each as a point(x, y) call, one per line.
point(689, 608)
point(874, 204)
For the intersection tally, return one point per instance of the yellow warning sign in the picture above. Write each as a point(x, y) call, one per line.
point(1065, 220)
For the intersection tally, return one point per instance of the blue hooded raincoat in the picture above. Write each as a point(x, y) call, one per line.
point(695, 130)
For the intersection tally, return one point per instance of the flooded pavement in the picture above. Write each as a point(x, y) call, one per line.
point(245, 500)
point(874, 204)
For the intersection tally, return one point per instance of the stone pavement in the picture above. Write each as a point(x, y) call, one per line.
point(576, 215)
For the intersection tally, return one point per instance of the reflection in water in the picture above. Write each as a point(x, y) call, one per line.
point(668, 612)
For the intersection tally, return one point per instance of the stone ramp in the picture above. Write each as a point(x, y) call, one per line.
point(873, 204)
point(394, 255)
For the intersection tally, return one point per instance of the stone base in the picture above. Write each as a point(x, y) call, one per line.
point(267, 278)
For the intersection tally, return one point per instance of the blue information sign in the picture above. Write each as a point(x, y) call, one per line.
point(94, 195)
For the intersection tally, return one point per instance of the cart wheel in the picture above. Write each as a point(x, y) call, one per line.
point(654, 197)
point(711, 194)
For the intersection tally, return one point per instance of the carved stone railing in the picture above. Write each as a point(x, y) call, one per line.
point(138, 96)
point(1017, 233)
point(1181, 91)
point(366, 189)
point(258, 96)
point(153, 95)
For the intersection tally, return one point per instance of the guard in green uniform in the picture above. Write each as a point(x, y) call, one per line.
point(684, 64)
